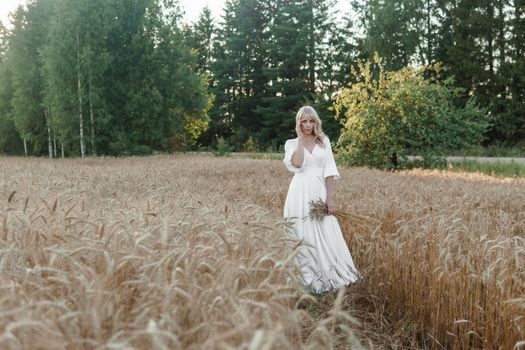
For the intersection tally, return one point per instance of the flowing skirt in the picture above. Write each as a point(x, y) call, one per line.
point(324, 259)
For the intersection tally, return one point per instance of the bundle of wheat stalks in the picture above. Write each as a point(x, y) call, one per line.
point(319, 210)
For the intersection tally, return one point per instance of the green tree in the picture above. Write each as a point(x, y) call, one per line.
point(124, 72)
point(393, 29)
point(4, 41)
point(10, 141)
point(290, 84)
point(476, 46)
point(64, 75)
point(401, 113)
point(239, 82)
point(27, 38)
point(339, 53)
point(201, 37)
point(155, 98)
point(512, 125)
point(297, 49)
point(95, 57)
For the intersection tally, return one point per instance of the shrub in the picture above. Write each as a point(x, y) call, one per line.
point(250, 145)
point(223, 148)
point(400, 113)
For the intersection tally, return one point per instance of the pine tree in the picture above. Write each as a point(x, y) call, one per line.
point(201, 39)
point(338, 52)
point(299, 52)
point(515, 76)
point(240, 55)
point(392, 29)
point(223, 69)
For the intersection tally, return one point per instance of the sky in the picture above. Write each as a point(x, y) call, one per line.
point(192, 8)
point(7, 6)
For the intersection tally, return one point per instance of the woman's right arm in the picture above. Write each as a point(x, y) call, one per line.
point(298, 156)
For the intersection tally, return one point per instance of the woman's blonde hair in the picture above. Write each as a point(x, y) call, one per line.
point(309, 112)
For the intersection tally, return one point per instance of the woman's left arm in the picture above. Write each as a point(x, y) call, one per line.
point(330, 203)
point(330, 174)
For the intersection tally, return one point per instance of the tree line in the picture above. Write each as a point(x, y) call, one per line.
point(128, 77)
point(98, 77)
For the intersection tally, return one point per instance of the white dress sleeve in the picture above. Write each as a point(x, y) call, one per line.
point(330, 169)
point(289, 149)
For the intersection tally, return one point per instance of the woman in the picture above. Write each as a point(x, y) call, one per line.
point(324, 258)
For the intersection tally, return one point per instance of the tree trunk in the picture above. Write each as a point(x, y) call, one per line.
point(519, 48)
point(62, 149)
point(421, 53)
point(429, 34)
point(311, 56)
point(393, 160)
point(92, 117)
point(54, 144)
point(82, 142)
point(49, 143)
point(25, 146)
point(490, 41)
point(502, 40)
point(518, 42)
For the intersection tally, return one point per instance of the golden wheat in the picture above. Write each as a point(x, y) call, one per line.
point(442, 254)
point(147, 253)
point(186, 252)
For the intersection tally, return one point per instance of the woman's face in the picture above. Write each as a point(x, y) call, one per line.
point(307, 125)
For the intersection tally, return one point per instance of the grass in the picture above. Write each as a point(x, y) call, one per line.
point(511, 169)
point(491, 151)
point(263, 155)
point(189, 252)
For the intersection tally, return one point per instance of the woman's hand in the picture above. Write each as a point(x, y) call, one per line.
point(330, 205)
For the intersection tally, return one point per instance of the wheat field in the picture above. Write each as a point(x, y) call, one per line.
point(190, 252)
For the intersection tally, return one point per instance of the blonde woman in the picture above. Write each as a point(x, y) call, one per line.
point(324, 258)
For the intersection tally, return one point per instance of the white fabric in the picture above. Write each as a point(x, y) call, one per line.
point(324, 258)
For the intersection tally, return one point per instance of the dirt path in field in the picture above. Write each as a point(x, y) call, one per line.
point(483, 159)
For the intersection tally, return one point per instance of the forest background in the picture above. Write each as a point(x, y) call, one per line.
point(128, 77)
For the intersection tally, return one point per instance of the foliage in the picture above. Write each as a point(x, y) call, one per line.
point(222, 149)
point(100, 77)
point(269, 58)
point(24, 62)
point(10, 141)
point(200, 38)
point(299, 55)
point(401, 113)
point(392, 29)
point(250, 145)
point(135, 73)
point(480, 42)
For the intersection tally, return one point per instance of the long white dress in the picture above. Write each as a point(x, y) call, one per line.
point(324, 258)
